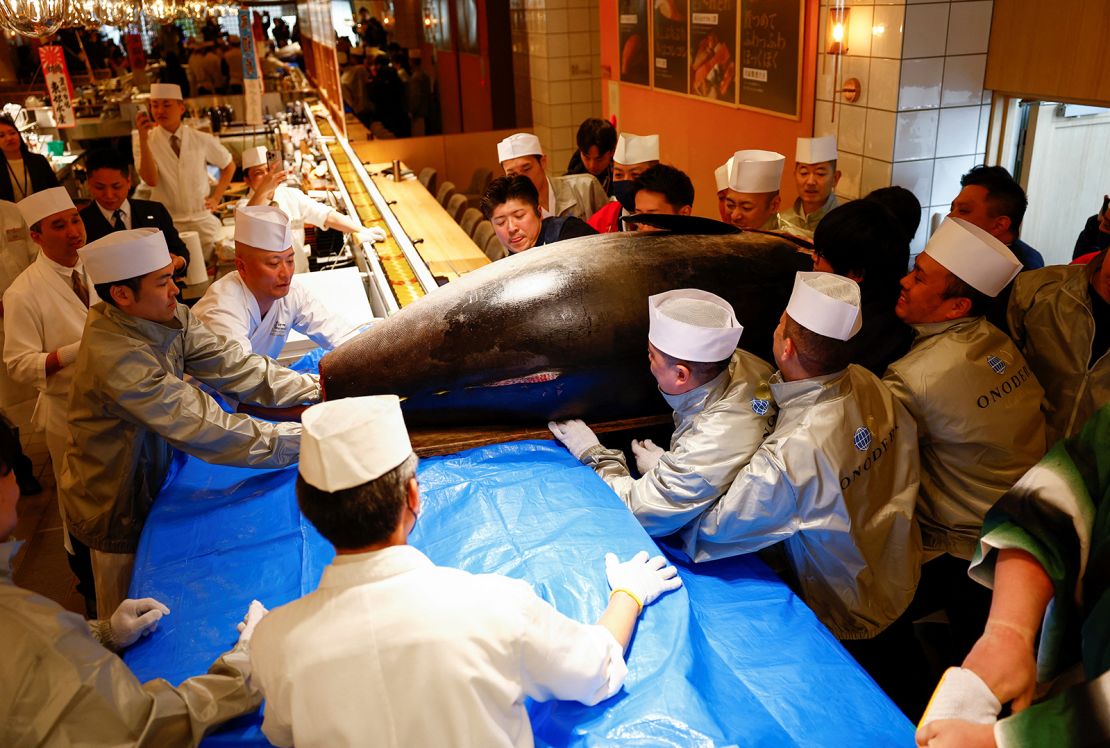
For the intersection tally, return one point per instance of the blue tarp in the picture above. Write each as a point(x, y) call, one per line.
point(731, 658)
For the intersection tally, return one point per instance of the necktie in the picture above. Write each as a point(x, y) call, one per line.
point(79, 288)
point(117, 220)
point(175, 143)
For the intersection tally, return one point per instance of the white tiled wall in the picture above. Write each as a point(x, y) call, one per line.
point(921, 121)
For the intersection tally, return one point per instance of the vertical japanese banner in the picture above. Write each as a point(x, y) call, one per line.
point(632, 25)
point(58, 85)
point(670, 45)
point(252, 76)
point(713, 49)
point(136, 55)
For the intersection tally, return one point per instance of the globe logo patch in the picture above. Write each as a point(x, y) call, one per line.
point(759, 406)
point(997, 365)
point(862, 439)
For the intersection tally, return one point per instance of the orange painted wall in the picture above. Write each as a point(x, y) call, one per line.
point(698, 136)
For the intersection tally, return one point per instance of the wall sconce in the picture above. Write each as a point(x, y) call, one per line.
point(838, 29)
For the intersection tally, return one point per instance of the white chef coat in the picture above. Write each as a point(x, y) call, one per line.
point(301, 209)
point(17, 252)
point(228, 308)
point(392, 650)
point(183, 180)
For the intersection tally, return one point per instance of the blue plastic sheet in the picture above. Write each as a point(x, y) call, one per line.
point(732, 658)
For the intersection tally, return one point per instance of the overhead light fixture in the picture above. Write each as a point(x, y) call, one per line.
point(35, 18)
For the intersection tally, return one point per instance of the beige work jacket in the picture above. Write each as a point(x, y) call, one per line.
point(578, 195)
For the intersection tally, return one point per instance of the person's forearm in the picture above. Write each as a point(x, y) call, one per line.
point(620, 616)
point(342, 222)
point(148, 170)
point(1022, 591)
point(225, 180)
point(53, 364)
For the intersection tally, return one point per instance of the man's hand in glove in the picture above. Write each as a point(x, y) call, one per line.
point(641, 578)
point(372, 234)
point(255, 613)
point(575, 435)
point(647, 454)
point(135, 618)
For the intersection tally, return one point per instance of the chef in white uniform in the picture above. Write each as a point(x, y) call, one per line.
point(173, 160)
point(267, 187)
point(262, 301)
point(393, 650)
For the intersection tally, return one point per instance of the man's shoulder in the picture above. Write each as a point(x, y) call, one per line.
point(26, 283)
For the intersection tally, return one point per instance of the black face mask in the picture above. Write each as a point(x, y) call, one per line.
point(625, 192)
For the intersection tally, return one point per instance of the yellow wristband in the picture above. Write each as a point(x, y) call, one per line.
point(639, 605)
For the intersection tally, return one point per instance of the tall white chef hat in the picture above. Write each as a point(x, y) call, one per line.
point(263, 227)
point(517, 145)
point(720, 174)
point(254, 157)
point(39, 205)
point(756, 171)
point(973, 256)
point(826, 304)
point(815, 150)
point(165, 91)
point(352, 441)
point(636, 149)
point(693, 325)
point(125, 254)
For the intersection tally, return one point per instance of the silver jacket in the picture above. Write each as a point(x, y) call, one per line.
point(129, 407)
point(718, 426)
point(798, 218)
point(1051, 319)
point(978, 410)
point(835, 484)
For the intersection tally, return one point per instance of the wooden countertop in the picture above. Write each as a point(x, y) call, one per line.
point(427, 442)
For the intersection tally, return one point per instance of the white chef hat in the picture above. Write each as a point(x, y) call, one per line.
point(756, 171)
point(973, 256)
point(352, 441)
point(39, 205)
point(517, 145)
point(165, 91)
point(254, 157)
point(815, 150)
point(125, 254)
point(826, 304)
point(263, 227)
point(720, 174)
point(693, 325)
point(636, 149)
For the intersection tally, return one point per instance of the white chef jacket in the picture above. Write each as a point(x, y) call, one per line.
point(301, 209)
point(17, 252)
point(228, 308)
point(392, 650)
point(183, 180)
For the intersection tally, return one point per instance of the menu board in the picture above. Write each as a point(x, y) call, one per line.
point(769, 60)
point(669, 45)
point(318, 45)
point(713, 49)
point(632, 25)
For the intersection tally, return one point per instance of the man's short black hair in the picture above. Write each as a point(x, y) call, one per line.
point(364, 515)
point(702, 371)
point(818, 354)
point(104, 290)
point(596, 132)
point(673, 184)
point(902, 204)
point(504, 189)
point(107, 158)
point(862, 236)
point(1005, 197)
point(980, 303)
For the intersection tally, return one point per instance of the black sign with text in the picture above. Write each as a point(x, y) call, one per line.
point(770, 36)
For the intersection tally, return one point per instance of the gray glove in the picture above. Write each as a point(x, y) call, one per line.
point(647, 454)
point(134, 618)
point(575, 435)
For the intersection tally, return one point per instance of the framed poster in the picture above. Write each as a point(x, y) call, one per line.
point(670, 45)
point(770, 55)
point(632, 30)
point(713, 49)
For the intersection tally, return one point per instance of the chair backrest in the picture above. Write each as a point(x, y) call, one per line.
point(478, 183)
point(494, 249)
point(443, 194)
point(456, 204)
point(482, 232)
point(428, 179)
point(469, 220)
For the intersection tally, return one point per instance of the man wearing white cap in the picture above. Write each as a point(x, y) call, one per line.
point(266, 185)
point(173, 160)
point(753, 192)
point(634, 155)
point(722, 413)
point(259, 304)
point(44, 315)
point(130, 407)
point(834, 485)
point(720, 177)
point(816, 177)
point(578, 195)
point(406, 639)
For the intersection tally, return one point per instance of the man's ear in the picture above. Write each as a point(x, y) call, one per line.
point(413, 496)
point(776, 201)
point(682, 374)
point(686, 210)
point(957, 307)
point(122, 296)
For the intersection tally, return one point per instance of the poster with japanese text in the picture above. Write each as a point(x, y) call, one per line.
point(136, 55)
point(58, 85)
point(632, 24)
point(252, 76)
point(769, 59)
point(669, 45)
point(713, 49)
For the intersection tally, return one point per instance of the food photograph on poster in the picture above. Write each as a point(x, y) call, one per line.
point(712, 49)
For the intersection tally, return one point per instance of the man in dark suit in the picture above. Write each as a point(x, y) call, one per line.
point(112, 210)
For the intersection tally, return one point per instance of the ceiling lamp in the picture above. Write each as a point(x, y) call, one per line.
point(37, 18)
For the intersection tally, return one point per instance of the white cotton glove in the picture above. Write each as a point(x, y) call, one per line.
point(67, 354)
point(647, 454)
point(641, 578)
point(371, 234)
point(255, 613)
point(135, 618)
point(962, 694)
point(575, 435)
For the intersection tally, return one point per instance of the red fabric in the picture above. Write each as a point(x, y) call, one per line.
point(1084, 259)
point(607, 219)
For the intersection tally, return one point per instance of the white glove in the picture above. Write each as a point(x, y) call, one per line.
point(962, 694)
point(642, 579)
point(135, 618)
point(647, 454)
point(67, 354)
point(575, 435)
point(372, 234)
point(255, 613)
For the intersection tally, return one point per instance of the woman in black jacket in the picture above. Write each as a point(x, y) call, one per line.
point(22, 172)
